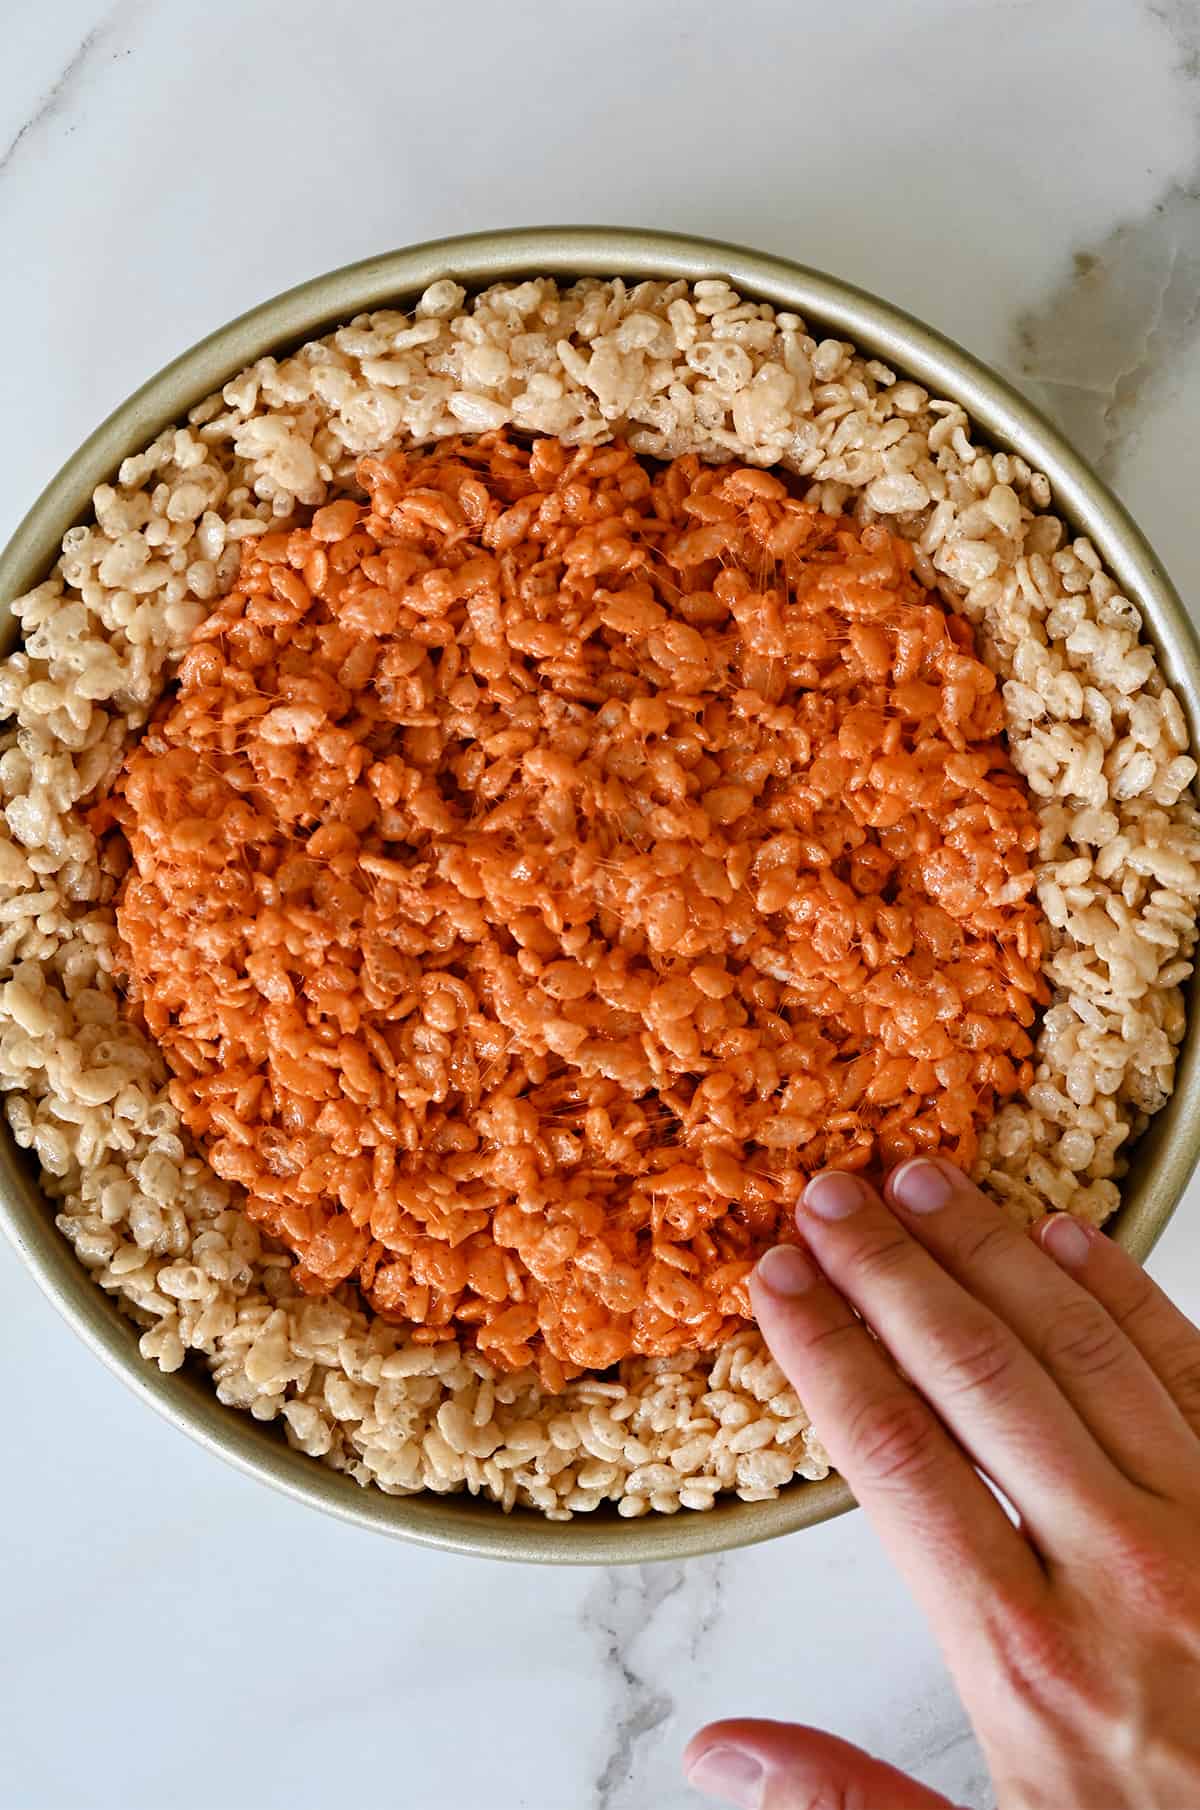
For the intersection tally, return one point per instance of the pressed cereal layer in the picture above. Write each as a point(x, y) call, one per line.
point(544, 868)
point(1096, 734)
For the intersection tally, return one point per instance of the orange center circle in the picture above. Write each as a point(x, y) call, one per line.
point(546, 865)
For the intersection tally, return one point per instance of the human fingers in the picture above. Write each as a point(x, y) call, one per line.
point(983, 1381)
point(760, 1765)
point(1068, 1329)
point(945, 1530)
point(1166, 1338)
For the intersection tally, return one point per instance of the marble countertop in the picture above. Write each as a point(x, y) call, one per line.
point(1026, 177)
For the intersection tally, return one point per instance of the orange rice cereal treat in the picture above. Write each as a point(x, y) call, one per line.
point(545, 864)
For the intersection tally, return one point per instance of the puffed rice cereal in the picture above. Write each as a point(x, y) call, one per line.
point(1092, 726)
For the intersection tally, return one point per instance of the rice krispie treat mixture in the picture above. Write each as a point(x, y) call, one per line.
point(672, 369)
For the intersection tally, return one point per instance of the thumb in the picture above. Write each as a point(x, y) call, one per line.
point(757, 1765)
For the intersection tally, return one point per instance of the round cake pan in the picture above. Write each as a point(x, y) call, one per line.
point(1164, 1157)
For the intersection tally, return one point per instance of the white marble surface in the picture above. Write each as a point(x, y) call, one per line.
point(1024, 175)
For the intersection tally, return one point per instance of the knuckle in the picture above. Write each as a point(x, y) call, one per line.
point(830, 1341)
point(983, 1244)
point(979, 1361)
point(1142, 1304)
point(1182, 1379)
point(882, 1258)
point(893, 1438)
point(1082, 1341)
point(1155, 1568)
point(830, 1794)
point(1034, 1651)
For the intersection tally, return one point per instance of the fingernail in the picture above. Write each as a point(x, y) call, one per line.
point(1067, 1241)
point(833, 1195)
point(729, 1772)
point(921, 1186)
point(786, 1271)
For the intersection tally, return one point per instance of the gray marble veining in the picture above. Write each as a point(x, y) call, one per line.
point(103, 38)
point(625, 1602)
point(1181, 21)
point(938, 1746)
point(651, 1623)
point(1103, 342)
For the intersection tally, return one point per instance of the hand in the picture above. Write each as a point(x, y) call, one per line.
point(1055, 1366)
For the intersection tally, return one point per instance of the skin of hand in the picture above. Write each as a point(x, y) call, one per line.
point(1050, 1363)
